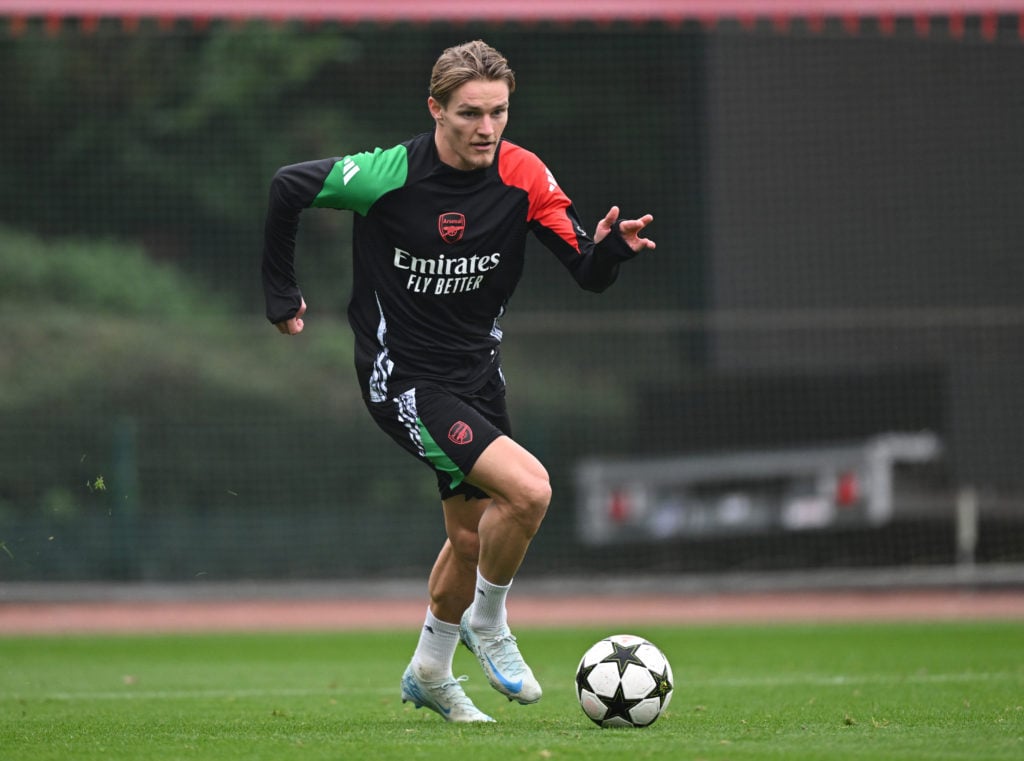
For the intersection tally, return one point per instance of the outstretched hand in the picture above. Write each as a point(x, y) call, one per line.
point(628, 228)
point(293, 325)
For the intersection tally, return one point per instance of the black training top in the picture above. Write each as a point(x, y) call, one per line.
point(437, 253)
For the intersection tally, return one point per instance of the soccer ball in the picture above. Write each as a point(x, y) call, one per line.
point(624, 681)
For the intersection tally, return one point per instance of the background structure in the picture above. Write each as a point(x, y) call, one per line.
point(838, 218)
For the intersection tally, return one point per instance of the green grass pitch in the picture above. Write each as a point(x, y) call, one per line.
point(835, 692)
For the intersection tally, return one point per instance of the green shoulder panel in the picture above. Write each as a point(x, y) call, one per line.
point(357, 181)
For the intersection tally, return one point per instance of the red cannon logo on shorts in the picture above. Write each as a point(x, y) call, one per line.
point(451, 225)
point(460, 433)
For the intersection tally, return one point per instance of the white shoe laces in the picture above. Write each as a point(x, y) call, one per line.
point(457, 697)
point(506, 654)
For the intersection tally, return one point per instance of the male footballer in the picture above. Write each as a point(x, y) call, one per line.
point(438, 246)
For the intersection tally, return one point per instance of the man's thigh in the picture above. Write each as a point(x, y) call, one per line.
point(446, 432)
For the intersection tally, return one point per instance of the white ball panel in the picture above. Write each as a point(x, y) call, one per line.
point(615, 721)
point(652, 656)
point(627, 640)
point(592, 705)
point(637, 682)
point(604, 679)
point(645, 712)
point(597, 653)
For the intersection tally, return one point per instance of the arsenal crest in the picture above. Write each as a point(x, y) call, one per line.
point(460, 433)
point(451, 225)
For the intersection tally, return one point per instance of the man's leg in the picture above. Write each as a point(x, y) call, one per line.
point(452, 579)
point(520, 492)
point(429, 680)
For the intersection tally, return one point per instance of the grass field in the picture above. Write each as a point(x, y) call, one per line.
point(866, 691)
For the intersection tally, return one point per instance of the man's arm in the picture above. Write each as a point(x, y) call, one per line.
point(293, 189)
point(594, 263)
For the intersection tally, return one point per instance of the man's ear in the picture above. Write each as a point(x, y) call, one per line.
point(436, 110)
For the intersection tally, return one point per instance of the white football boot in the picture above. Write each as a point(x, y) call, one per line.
point(501, 661)
point(444, 696)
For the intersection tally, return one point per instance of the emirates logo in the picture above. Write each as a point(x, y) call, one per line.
point(460, 433)
point(451, 225)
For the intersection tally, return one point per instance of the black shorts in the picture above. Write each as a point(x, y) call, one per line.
point(446, 431)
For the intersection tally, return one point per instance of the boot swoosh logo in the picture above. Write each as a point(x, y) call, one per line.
point(505, 681)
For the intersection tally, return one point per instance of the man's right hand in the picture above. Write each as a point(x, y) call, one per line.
point(293, 325)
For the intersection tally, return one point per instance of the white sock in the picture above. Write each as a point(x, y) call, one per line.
point(488, 611)
point(436, 648)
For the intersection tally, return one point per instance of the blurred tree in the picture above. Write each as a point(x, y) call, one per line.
point(165, 138)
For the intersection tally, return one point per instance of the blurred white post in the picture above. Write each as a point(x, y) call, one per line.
point(966, 526)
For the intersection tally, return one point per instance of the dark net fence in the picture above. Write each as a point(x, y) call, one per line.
point(819, 367)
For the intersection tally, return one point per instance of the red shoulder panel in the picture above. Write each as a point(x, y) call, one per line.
point(523, 169)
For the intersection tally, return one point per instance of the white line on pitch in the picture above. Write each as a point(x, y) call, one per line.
point(131, 694)
point(840, 680)
point(820, 680)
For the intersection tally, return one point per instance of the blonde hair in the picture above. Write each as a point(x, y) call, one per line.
point(465, 63)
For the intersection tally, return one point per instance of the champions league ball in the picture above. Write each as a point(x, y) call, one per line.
point(624, 681)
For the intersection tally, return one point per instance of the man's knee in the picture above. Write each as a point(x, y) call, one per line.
point(516, 480)
point(531, 499)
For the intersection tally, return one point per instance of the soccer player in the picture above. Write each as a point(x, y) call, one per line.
point(438, 246)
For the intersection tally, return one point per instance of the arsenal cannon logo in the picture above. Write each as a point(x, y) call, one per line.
point(460, 433)
point(451, 225)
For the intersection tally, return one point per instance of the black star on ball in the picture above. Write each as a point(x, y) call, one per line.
point(619, 706)
point(581, 678)
point(623, 656)
point(662, 685)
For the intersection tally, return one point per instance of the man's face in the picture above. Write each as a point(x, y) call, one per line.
point(469, 128)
